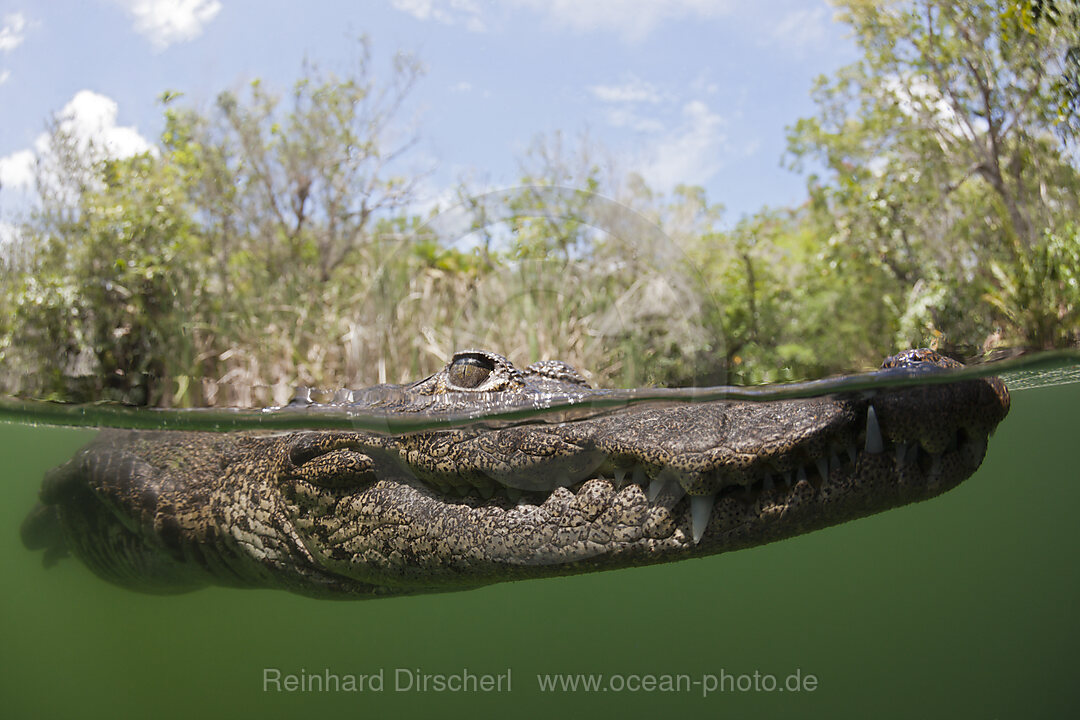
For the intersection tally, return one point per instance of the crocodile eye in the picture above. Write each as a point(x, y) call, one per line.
point(470, 371)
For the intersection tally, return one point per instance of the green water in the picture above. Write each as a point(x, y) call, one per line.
point(964, 606)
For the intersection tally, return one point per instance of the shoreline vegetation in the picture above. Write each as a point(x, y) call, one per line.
point(274, 240)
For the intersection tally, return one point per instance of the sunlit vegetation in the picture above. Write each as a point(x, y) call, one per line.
point(274, 240)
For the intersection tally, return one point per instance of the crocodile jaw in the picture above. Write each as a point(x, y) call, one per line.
point(352, 515)
point(401, 535)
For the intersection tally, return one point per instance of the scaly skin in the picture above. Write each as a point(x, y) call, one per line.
point(356, 514)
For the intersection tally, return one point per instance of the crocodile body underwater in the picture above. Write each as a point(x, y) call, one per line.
point(356, 514)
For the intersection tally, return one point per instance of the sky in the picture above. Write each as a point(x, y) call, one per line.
point(682, 91)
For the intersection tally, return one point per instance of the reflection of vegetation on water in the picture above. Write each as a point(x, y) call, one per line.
point(369, 409)
point(266, 243)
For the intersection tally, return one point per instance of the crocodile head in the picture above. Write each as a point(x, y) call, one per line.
point(360, 514)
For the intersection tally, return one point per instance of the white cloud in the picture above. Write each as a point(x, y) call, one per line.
point(466, 13)
point(632, 19)
point(691, 154)
point(11, 34)
point(624, 117)
point(625, 101)
point(688, 150)
point(461, 87)
point(803, 29)
point(632, 90)
point(90, 119)
point(166, 22)
point(17, 170)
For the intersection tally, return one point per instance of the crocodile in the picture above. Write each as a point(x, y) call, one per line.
point(360, 514)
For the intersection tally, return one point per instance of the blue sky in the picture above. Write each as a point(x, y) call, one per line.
point(693, 91)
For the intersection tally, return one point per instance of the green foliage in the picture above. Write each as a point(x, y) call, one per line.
point(1038, 294)
point(105, 307)
point(1033, 19)
point(942, 161)
point(267, 241)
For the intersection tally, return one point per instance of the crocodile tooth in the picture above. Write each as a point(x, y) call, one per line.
point(656, 485)
point(767, 483)
point(874, 443)
point(701, 507)
point(834, 461)
point(801, 475)
point(851, 454)
point(620, 477)
point(787, 478)
point(639, 475)
point(823, 468)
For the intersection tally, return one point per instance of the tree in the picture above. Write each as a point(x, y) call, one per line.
point(240, 249)
point(104, 306)
point(1028, 17)
point(941, 156)
point(301, 200)
point(308, 180)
